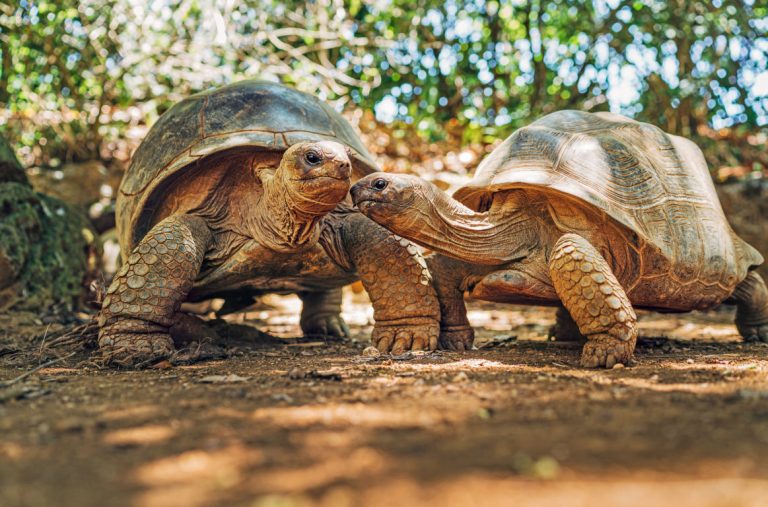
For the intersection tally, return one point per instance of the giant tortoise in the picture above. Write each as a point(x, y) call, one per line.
point(597, 212)
point(240, 191)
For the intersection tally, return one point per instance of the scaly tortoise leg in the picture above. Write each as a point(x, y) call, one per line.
point(143, 299)
point(394, 274)
point(565, 328)
point(321, 314)
point(751, 297)
point(596, 301)
point(447, 275)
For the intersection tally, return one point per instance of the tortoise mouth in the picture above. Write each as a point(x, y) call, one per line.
point(322, 177)
point(365, 204)
point(374, 208)
point(323, 190)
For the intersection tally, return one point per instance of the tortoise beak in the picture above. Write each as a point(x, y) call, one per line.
point(359, 193)
point(365, 195)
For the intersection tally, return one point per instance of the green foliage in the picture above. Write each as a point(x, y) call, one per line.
point(77, 75)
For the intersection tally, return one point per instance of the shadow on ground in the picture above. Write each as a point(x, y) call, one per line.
point(313, 423)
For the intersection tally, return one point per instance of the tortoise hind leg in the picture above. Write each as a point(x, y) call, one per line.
point(143, 300)
point(565, 328)
point(596, 301)
point(751, 298)
point(321, 314)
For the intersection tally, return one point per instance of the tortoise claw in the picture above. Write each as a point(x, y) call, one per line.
point(135, 350)
point(400, 339)
point(607, 351)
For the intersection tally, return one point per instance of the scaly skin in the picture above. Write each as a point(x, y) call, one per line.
point(447, 277)
point(321, 314)
point(751, 297)
point(596, 301)
point(145, 296)
point(515, 231)
point(405, 306)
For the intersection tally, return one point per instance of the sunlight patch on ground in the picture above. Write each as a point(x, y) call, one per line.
point(143, 435)
point(135, 412)
point(360, 463)
point(193, 478)
point(353, 414)
point(467, 365)
point(11, 450)
point(490, 491)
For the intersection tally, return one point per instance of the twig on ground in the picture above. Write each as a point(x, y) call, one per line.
point(21, 377)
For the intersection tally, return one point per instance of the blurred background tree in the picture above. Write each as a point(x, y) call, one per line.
point(431, 83)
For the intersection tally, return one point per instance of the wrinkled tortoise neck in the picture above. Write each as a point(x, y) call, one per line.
point(504, 233)
point(283, 219)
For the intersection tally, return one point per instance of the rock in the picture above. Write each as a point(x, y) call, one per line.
point(44, 244)
point(11, 170)
point(618, 366)
point(296, 374)
point(44, 250)
point(460, 377)
point(223, 379)
point(371, 352)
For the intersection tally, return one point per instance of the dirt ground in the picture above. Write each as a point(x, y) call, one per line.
point(289, 424)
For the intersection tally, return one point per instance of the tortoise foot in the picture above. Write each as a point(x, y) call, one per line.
point(398, 339)
point(194, 352)
point(457, 338)
point(753, 333)
point(135, 350)
point(751, 297)
point(325, 325)
point(606, 351)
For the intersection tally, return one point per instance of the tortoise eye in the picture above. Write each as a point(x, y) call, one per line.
point(380, 184)
point(313, 158)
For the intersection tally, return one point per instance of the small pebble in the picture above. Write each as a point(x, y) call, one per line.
point(296, 374)
point(460, 377)
point(618, 366)
point(689, 361)
point(371, 352)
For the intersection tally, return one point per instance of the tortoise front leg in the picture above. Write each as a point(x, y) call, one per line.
point(142, 302)
point(751, 298)
point(394, 274)
point(321, 313)
point(596, 301)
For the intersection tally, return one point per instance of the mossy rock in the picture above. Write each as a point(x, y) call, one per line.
point(10, 168)
point(44, 247)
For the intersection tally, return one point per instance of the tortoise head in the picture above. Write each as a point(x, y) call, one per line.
point(316, 175)
point(393, 200)
point(419, 211)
